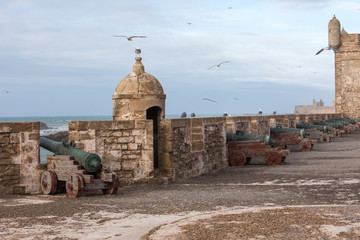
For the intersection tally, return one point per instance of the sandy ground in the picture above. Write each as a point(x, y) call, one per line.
point(313, 195)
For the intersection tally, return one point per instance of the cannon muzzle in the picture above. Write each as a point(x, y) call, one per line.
point(90, 161)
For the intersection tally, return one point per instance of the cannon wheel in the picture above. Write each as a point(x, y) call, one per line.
point(273, 158)
point(237, 159)
point(75, 185)
point(305, 145)
point(112, 187)
point(49, 182)
point(324, 139)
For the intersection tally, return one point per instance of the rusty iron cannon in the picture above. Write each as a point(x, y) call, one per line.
point(242, 147)
point(319, 132)
point(74, 169)
point(292, 136)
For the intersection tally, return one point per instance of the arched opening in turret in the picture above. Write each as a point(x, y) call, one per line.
point(154, 114)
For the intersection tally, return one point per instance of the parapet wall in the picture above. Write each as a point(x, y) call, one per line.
point(187, 147)
point(191, 147)
point(194, 146)
point(125, 147)
point(19, 158)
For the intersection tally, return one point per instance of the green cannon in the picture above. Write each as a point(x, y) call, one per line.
point(240, 136)
point(298, 131)
point(341, 121)
point(330, 124)
point(91, 162)
point(322, 128)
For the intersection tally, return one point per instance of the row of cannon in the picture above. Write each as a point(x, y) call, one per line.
point(242, 147)
point(75, 170)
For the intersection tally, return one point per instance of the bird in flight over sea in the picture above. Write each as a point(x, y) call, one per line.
point(129, 38)
point(209, 100)
point(6, 91)
point(218, 65)
point(328, 48)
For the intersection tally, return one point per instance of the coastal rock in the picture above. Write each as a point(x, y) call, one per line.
point(43, 126)
point(59, 136)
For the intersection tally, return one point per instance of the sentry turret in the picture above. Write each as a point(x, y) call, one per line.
point(334, 33)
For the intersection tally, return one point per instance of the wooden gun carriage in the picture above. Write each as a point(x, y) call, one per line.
point(242, 147)
point(76, 170)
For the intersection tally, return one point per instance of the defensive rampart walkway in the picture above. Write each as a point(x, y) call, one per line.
point(313, 194)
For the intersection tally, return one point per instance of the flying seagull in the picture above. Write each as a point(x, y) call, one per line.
point(218, 65)
point(209, 100)
point(328, 48)
point(129, 38)
point(6, 91)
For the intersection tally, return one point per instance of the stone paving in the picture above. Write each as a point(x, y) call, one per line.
point(313, 195)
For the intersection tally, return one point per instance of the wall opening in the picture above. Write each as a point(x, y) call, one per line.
point(154, 114)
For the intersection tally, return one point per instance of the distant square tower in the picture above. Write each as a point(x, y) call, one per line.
point(347, 69)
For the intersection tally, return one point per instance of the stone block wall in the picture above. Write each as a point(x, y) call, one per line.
point(20, 169)
point(125, 147)
point(191, 147)
point(347, 76)
point(262, 124)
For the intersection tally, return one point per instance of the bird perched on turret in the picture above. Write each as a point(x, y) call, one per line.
point(328, 48)
point(129, 38)
point(218, 65)
point(137, 51)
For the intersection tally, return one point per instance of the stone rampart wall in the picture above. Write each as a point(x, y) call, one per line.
point(191, 147)
point(125, 147)
point(19, 158)
point(187, 147)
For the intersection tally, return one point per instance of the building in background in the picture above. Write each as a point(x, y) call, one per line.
point(316, 107)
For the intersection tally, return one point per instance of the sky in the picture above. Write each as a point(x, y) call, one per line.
point(59, 58)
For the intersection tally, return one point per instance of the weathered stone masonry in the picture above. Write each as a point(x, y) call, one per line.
point(187, 147)
point(347, 69)
point(191, 147)
point(20, 168)
point(125, 147)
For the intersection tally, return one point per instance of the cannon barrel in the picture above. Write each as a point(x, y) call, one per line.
point(298, 131)
point(240, 136)
point(340, 121)
point(330, 124)
point(91, 162)
point(322, 128)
